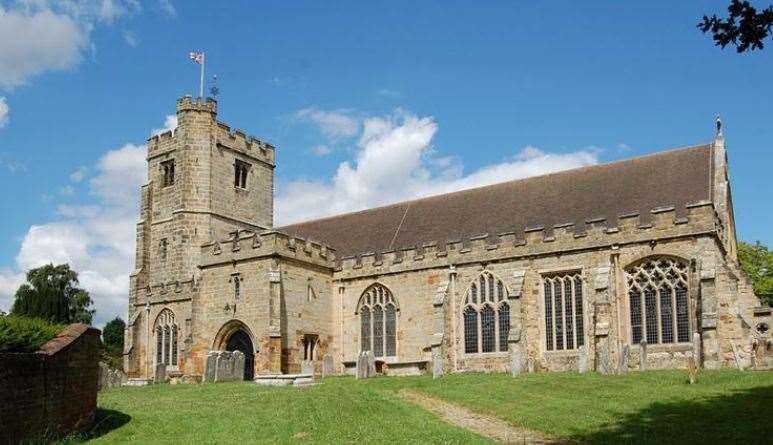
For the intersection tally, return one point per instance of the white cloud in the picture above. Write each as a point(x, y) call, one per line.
point(37, 36)
point(34, 42)
point(170, 123)
point(97, 239)
point(130, 38)
point(395, 161)
point(321, 150)
point(79, 173)
point(333, 124)
point(4, 111)
point(167, 7)
point(67, 190)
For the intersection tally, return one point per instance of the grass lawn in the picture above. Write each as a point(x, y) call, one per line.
point(656, 407)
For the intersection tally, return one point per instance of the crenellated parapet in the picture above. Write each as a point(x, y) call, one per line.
point(246, 245)
point(247, 145)
point(658, 225)
point(188, 103)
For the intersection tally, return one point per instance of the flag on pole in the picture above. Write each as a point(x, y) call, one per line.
point(198, 57)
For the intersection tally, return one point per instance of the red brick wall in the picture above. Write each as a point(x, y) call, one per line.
point(52, 391)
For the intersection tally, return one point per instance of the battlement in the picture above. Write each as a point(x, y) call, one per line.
point(246, 245)
point(188, 103)
point(238, 140)
point(660, 224)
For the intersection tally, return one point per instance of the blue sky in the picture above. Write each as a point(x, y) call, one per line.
point(372, 101)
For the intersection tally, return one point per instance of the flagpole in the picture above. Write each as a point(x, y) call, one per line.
point(201, 79)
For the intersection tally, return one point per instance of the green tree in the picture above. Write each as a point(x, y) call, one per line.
point(112, 335)
point(745, 27)
point(757, 262)
point(52, 293)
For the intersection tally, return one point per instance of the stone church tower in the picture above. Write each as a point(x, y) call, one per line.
point(204, 182)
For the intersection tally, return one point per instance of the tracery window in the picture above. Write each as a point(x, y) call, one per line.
point(564, 322)
point(378, 321)
point(486, 315)
point(657, 293)
point(167, 333)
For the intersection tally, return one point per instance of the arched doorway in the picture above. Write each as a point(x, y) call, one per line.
point(240, 341)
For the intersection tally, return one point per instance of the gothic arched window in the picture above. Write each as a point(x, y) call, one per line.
point(167, 333)
point(564, 322)
point(486, 315)
point(658, 303)
point(378, 321)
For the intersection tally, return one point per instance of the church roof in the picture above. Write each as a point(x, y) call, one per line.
point(674, 178)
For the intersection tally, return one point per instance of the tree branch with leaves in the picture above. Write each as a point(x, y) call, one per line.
point(745, 27)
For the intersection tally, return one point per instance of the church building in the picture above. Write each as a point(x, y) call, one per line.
point(627, 265)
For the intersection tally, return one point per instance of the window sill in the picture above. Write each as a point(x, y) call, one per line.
point(486, 354)
point(668, 347)
point(563, 353)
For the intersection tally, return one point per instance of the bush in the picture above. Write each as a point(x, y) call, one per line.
point(23, 334)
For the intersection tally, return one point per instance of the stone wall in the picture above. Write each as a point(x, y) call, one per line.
point(52, 391)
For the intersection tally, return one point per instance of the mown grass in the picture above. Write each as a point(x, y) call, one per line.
point(341, 410)
point(656, 407)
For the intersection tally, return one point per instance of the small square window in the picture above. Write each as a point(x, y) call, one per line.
point(241, 169)
point(168, 169)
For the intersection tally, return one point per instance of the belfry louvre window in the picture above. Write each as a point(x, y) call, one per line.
point(168, 168)
point(657, 295)
point(564, 322)
point(167, 333)
point(241, 169)
point(486, 315)
point(378, 321)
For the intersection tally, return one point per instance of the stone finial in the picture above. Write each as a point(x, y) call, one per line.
point(719, 127)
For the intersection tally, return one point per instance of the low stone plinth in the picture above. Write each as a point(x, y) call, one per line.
point(285, 379)
point(137, 382)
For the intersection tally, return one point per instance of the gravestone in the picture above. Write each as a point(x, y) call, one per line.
point(238, 367)
point(210, 367)
point(307, 367)
point(160, 375)
point(371, 364)
point(603, 359)
point(696, 348)
point(362, 366)
point(516, 361)
point(623, 365)
point(437, 363)
point(328, 368)
point(225, 367)
point(583, 360)
point(643, 355)
point(530, 365)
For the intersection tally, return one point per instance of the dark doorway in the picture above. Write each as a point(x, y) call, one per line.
point(240, 341)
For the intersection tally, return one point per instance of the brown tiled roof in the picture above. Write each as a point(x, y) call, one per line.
point(670, 178)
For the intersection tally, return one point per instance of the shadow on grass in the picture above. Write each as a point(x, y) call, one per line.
point(106, 420)
point(739, 417)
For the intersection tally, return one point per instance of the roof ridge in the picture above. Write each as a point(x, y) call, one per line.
point(410, 202)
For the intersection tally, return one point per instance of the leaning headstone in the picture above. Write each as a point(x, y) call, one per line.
point(623, 365)
point(307, 367)
point(437, 363)
point(160, 375)
point(516, 361)
point(238, 367)
point(371, 363)
point(363, 368)
point(210, 367)
point(643, 355)
point(583, 360)
point(328, 368)
point(692, 370)
point(696, 348)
